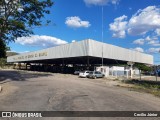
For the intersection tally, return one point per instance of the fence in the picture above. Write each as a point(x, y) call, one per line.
point(119, 73)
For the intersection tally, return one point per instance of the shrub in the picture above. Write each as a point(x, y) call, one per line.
point(3, 62)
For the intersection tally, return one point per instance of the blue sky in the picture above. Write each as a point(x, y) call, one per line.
point(132, 24)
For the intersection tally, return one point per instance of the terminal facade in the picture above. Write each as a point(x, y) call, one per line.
point(83, 55)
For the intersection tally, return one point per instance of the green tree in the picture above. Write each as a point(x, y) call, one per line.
point(142, 67)
point(2, 49)
point(18, 16)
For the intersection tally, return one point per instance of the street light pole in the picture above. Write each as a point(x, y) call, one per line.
point(102, 35)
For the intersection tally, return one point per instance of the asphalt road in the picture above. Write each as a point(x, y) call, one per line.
point(29, 91)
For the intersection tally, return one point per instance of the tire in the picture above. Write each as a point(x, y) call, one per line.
point(103, 76)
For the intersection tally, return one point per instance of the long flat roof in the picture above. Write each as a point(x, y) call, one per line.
point(84, 48)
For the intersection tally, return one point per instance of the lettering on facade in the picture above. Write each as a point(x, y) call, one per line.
point(31, 56)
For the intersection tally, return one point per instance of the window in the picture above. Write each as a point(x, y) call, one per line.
point(96, 73)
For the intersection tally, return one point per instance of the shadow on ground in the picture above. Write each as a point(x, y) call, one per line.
point(154, 85)
point(19, 75)
point(145, 82)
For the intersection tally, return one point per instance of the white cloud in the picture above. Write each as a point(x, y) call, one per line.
point(142, 22)
point(139, 42)
point(73, 41)
point(157, 31)
point(114, 2)
point(138, 49)
point(37, 40)
point(154, 43)
point(153, 50)
point(101, 2)
point(119, 26)
point(153, 38)
point(148, 38)
point(76, 22)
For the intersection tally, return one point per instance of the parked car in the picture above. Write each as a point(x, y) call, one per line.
point(84, 74)
point(76, 72)
point(95, 74)
point(157, 73)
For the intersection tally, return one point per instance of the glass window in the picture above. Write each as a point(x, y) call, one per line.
point(96, 72)
point(90, 72)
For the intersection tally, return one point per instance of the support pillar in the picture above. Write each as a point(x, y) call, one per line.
point(62, 70)
point(88, 63)
point(19, 66)
point(26, 66)
point(14, 65)
point(131, 71)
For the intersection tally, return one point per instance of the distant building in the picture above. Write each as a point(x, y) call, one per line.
point(11, 53)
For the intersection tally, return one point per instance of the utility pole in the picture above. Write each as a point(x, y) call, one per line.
point(102, 35)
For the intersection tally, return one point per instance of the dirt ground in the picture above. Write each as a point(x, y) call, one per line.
point(34, 91)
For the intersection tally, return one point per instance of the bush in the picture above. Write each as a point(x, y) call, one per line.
point(3, 62)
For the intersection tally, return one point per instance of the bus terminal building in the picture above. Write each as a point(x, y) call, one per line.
point(85, 54)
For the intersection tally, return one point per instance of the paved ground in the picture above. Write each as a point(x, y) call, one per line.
point(29, 91)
